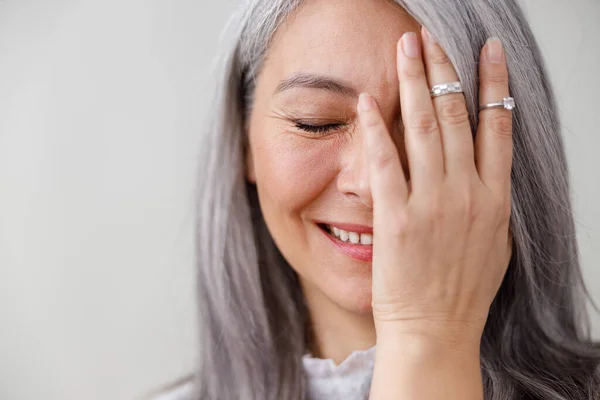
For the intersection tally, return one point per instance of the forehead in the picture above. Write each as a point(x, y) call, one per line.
point(354, 40)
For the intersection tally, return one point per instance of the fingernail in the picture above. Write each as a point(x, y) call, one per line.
point(410, 45)
point(365, 102)
point(494, 50)
point(429, 36)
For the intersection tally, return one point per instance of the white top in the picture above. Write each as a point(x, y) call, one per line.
point(351, 380)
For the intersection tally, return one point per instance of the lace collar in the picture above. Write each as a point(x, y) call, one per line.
point(350, 380)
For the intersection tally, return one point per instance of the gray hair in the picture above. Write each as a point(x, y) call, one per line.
point(252, 317)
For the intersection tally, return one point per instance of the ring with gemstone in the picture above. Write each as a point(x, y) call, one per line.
point(446, 88)
point(507, 103)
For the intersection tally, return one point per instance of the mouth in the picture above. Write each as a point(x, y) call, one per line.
point(356, 245)
point(358, 235)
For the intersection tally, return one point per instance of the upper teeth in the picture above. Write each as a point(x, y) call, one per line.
point(352, 237)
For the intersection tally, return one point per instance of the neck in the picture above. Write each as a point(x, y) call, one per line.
point(334, 332)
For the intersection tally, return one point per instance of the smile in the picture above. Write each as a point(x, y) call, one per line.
point(357, 245)
point(348, 236)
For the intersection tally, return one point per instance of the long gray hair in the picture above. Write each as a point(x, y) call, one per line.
point(252, 317)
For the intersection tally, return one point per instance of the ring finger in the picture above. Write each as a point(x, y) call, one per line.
point(422, 134)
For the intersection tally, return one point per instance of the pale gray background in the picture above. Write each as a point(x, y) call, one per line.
point(100, 106)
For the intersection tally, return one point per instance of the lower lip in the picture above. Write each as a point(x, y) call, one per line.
point(357, 251)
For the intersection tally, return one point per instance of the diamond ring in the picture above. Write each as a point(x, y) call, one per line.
point(446, 88)
point(506, 103)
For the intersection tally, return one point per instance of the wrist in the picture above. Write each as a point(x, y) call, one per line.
point(412, 367)
point(426, 366)
point(424, 339)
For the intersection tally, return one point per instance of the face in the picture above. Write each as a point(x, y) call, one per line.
point(305, 154)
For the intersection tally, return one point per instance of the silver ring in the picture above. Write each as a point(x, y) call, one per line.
point(507, 103)
point(446, 88)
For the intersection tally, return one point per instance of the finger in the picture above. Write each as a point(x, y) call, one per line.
point(422, 136)
point(451, 111)
point(388, 183)
point(493, 143)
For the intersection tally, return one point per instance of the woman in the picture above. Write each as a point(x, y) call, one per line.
point(365, 231)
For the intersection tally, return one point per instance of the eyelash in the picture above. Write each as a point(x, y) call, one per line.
point(319, 129)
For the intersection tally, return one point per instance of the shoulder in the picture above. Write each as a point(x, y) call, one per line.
point(181, 392)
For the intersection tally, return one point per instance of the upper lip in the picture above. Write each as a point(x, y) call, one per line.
point(349, 227)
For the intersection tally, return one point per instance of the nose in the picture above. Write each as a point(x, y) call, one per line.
point(353, 179)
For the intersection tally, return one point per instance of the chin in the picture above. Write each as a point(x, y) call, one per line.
point(353, 294)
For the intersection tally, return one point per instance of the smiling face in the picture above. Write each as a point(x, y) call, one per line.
point(306, 156)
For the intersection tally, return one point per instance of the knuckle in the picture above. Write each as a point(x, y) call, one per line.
point(399, 224)
point(423, 123)
point(383, 158)
point(504, 211)
point(453, 110)
point(501, 211)
point(437, 213)
point(497, 76)
point(501, 123)
point(471, 206)
point(371, 121)
point(435, 210)
point(413, 73)
point(439, 58)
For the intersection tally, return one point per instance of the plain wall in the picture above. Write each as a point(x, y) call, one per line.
point(100, 107)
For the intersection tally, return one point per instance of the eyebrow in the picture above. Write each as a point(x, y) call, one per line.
point(312, 81)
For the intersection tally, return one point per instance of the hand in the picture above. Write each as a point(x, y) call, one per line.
point(441, 246)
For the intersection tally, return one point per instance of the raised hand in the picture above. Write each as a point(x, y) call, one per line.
point(441, 244)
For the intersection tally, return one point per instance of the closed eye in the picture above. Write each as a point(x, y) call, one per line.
point(319, 129)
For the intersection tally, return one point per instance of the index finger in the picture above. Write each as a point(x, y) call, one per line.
point(389, 189)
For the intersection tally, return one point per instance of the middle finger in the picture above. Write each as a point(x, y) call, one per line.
point(451, 110)
point(422, 134)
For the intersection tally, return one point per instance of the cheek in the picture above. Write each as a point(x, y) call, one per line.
point(292, 171)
